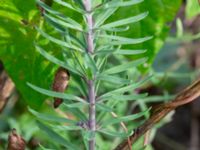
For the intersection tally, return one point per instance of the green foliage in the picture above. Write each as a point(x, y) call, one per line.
point(17, 33)
point(94, 66)
point(192, 8)
point(63, 43)
point(156, 24)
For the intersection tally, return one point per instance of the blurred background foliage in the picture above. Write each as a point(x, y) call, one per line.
point(172, 65)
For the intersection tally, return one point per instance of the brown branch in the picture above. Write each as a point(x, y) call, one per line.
point(6, 88)
point(160, 111)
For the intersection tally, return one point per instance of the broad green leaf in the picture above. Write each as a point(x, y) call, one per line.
point(17, 34)
point(57, 94)
point(124, 67)
point(126, 21)
point(117, 120)
point(56, 137)
point(116, 133)
point(51, 118)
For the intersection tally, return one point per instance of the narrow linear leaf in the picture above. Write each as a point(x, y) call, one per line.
point(59, 42)
point(112, 79)
point(117, 120)
point(43, 148)
point(88, 135)
point(65, 4)
point(80, 3)
point(105, 52)
point(103, 107)
point(56, 137)
point(85, 141)
point(68, 23)
point(57, 94)
point(129, 52)
point(71, 23)
point(158, 98)
point(90, 63)
point(101, 18)
point(75, 105)
point(122, 29)
point(64, 31)
point(47, 8)
point(117, 97)
point(124, 89)
point(76, 112)
point(124, 67)
point(120, 4)
point(66, 128)
point(56, 26)
point(56, 61)
point(118, 40)
point(125, 21)
point(51, 118)
point(130, 97)
point(116, 133)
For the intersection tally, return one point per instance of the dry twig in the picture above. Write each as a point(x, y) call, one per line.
point(160, 111)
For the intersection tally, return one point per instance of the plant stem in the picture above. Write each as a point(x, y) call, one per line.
point(91, 83)
point(92, 113)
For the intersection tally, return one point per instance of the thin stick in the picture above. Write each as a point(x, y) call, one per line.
point(125, 129)
point(186, 96)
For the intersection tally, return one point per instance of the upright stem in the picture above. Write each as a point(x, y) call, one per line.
point(91, 85)
point(92, 113)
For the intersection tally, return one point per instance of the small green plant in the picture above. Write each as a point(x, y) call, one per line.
point(102, 77)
